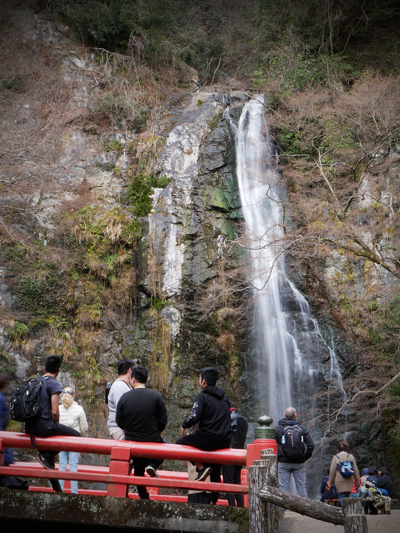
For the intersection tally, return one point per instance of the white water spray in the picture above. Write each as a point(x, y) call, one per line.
point(284, 344)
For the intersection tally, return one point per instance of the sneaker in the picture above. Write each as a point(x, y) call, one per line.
point(204, 473)
point(46, 461)
point(151, 471)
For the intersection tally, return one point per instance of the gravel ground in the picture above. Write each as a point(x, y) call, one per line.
point(295, 523)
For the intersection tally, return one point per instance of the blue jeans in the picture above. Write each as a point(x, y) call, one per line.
point(342, 495)
point(298, 471)
point(73, 458)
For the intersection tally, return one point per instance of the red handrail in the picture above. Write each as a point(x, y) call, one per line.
point(117, 475)
point(137, 449)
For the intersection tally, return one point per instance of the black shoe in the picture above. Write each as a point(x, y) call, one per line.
point(204, 473)
point(46, 461)
point(151, 471)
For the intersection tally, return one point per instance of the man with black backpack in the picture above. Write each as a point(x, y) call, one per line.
point(46, 424)
point(295, 447)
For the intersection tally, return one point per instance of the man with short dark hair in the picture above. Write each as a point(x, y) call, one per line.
point(211, 411)
point(119, 387)
point(142, 414)
point(47, 425)
point(291, 461)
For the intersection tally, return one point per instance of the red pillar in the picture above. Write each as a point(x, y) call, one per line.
point(119, 465)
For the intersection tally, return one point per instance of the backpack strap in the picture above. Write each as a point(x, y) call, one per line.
point(30, 427)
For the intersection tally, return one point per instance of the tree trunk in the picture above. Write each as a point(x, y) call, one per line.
point(263, 517)
point(355, 520)
point(304, 506)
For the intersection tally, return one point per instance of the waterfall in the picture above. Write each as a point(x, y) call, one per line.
point(288, 340)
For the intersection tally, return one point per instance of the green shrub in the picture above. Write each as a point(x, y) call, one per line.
point(112, 146)
point(140, 189)
point(18, 332)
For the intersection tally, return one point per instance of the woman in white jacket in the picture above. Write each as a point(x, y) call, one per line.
point(72, 415)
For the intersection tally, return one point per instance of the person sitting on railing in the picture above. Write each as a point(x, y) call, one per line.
point(73, 416)
point(211, 410)
point(48, 423)
point(142, 413)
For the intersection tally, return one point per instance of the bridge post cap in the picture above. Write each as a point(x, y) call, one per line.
point(265, 420)
point(264, 431)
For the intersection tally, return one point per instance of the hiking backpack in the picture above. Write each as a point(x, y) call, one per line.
point(293, 442)
point(107, 391)
point(346, 468)
point(25, 402)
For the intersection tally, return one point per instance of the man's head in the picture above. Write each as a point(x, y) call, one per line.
point(124, 366)
point(52, 364)
point(290, 412)
point(208, 377)
point(139, 374)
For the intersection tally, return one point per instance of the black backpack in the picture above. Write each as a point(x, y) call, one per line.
point(293, 442)
point(107, 391)
point(25, 402)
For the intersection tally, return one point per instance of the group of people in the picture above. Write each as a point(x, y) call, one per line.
point(339, 483)
point(139, 414)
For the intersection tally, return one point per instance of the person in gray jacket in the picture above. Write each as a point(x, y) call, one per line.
point(119, 387)
point(295, 447)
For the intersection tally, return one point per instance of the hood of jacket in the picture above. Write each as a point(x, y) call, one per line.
point(288, 422)
point(214, 391)
point(383, 471)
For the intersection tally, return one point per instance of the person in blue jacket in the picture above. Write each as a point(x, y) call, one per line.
point(5, 415)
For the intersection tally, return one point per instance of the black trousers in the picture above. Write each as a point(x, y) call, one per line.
point(208, 446)
point(50, 428)
point(139, 466)
point(231, 474)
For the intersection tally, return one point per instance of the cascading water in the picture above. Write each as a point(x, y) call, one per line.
point(288, 339)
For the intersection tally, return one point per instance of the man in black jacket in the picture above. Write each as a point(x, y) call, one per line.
point(142, 413)
point(232, 473)
point(295, 447)
point(211, 410)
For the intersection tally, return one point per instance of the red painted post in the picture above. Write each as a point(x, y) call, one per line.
point(265, 438)
point(244, 480)
point(119, 465)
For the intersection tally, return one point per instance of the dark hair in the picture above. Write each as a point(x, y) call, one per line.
point(4, 380)
point(139, 373)
point(373, 471)
point(383, 471)
point(52, 363)
point(343, 446)
point(210, 374)
point(124, 365)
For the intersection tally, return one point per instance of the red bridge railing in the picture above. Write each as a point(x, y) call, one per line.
point(117, 475)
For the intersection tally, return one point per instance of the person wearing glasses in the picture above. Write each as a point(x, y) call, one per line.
point(73, 416)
